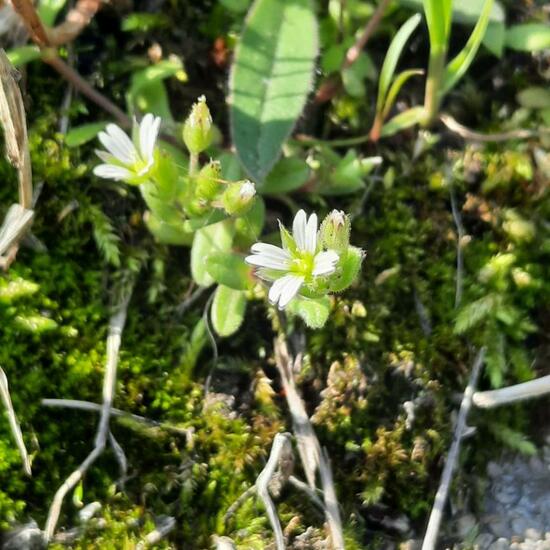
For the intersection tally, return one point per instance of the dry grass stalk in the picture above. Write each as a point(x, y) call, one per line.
point(14, 424)
point(308, 445)
point(512, 394)
point(76, 21)
point(114, 338)
point(163, 528)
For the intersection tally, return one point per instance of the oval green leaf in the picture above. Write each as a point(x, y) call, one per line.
point(271, 78)
point(228, 309)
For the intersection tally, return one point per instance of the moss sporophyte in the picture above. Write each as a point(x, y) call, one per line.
point(304, 265)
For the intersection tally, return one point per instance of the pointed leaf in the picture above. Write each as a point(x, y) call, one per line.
point(460, 64)
point(270, 79)
point(287, 175)
point(228, 309)
point(396, 86)
point(79, 135)
point(314, 313)
point(529, 37)
point(392, 57)
point(403, 120)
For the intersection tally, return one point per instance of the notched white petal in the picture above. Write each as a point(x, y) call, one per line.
point(271, 249)
point(311, 234)
point(299, 229)
point(324, 263)
point(263, 260)
point(110, 171)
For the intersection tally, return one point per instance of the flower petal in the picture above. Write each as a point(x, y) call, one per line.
point(311, 234)
point(284, 289)
point(265, 260)
point(118, 144)
point(112, 172)
point(324, 263)
point(148, 133)
point(271, 250)
point(104, 156)
point(299, 229)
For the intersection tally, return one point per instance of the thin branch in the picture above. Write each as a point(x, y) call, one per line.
point(307, 442)
point(94, 407)
point(232, 510)
point(13, 422)
point(432, 531)
point(114, 337)
point(167, 525)
point(471, 135)
point(281, 445)
point(512, 394)
point(459, 244)
point(32, 21)
point(77, 19)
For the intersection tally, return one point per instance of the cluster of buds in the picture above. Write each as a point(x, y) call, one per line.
point(208, 188)
point(311, 263)
point(171, 195)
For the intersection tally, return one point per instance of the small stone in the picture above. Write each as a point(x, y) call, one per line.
point(533, 534)
point(500, 544)
point(493, 469)
point(537, 465)
point(483, 541)
point(498, 527)
point(519, 525)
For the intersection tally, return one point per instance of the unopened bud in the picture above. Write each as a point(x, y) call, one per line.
point(238, 197)
point(208, 181)
point(335, 231)
point(197, 130)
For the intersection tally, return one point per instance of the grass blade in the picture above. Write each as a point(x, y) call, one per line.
point(396, 86)
point(392, 57)
point(403, 120)
point(459, 65)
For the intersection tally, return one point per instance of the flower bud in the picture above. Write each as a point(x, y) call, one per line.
point(335, 231)
point(238, 197)
point(208, 182)
point(197, 130)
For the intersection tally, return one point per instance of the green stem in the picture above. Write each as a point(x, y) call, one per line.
point(193, 163)
point(434, 82)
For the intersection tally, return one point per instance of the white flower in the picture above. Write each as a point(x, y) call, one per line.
point(299, 262)
point(247, 190)
point(127, 159)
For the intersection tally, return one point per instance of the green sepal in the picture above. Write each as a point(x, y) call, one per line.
point(348, 269)
point(165, 233)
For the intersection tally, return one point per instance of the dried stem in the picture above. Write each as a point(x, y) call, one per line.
point(459, 243)
point(75, 22)
point(14, 424)
point(154, 537)
point(471, 135)
point(281, 446)
point(116, 327)
point(28, 14)
point(512, 394)
point(308, 444)
point(432, 531)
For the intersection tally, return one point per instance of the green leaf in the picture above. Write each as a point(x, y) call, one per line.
point(495, 37)
point(287, 175)
point(464, 12)
point(48, 10)
point(144, 22)
point(213, 238)
point(35, 323)
point(403, 120)
point(392, 57)
point(228, 269)
point(396, 86)
point(79, 135)
point(459, 65)
point(250, 225)
point(23, 55)
point(236, 6)
point(314, 312)
point(529, 37)
point(349, 174)
point(204, 221)
point(166, 233)
point(474, 313)
point(228, 309)
point(271, 77)
point(535, 97)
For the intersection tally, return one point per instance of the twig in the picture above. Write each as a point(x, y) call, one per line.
point(116, 327)
point(30, 18)
point(471, 135)
point(308, 444)
point(512, 394)
point(434, 522)
point(14, 424)
point(281, 446)
point(94, 407)
point(164, 527)
point(232, 510)
point(305, 488)
point(330, 87)
point(77, 19)
point(459, 244)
